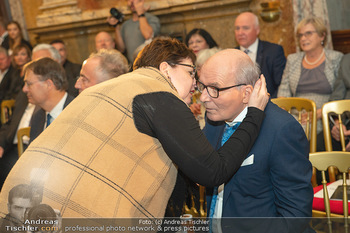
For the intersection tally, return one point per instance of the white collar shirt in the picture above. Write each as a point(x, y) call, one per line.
point(220, 197)
point(253, 50)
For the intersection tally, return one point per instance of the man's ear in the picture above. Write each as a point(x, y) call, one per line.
point(50, 83)
point(164, 67)
point(248, 90)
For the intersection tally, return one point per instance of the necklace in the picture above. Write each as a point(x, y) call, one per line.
point(313, 63)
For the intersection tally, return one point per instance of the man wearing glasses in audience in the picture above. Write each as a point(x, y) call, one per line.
point(274, 179)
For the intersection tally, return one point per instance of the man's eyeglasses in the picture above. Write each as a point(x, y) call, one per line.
point(307, 34)
point(192, 73)
point(214, 91)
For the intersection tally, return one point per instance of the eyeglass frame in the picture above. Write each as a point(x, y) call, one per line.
point(216, 88)
point(192, 66)
point(307, 34)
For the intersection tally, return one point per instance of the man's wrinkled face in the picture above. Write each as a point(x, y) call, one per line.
point(246, 31)
point(230, 102)
point(89, 74)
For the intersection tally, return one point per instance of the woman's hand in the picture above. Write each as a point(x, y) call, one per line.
point(259, 96)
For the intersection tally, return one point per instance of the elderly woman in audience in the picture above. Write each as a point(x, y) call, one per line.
point(312, 72)
point(21, 55)
point(198, 39)
point(16, 36)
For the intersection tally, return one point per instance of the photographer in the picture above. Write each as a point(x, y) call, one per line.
point(135, 31)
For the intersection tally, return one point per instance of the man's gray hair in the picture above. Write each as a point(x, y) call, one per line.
point(247, 72)
point(112, 63)
point(54, 53)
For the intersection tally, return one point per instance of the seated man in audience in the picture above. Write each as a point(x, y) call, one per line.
point(20, 118)
point(274, 179)
point(5, 72)
point(103, 40)
point(100, 67)
point(269, 56)
point(45, 85)
point(72, 69)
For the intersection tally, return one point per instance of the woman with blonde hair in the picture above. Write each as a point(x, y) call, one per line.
point(312, 72)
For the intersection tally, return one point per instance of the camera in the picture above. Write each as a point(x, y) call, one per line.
point(117, 14)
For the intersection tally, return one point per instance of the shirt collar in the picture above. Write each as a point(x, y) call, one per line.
point(58, 108)
point(252, 48)
point(239, 118)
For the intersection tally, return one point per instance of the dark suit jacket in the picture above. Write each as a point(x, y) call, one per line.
point(72, 72)
point(277, 183)
point(6, 83)
point(6, 43)
point(272, 61)
point(39, 118)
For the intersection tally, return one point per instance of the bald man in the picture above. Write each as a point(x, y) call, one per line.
point(274, 179)
point(269, 56)
point(103, 40)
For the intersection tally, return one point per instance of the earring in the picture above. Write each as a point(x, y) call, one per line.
point(321, 42)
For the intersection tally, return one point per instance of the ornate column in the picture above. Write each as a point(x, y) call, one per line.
point(58, 12)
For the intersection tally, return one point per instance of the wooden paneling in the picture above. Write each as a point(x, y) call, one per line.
point(341, 40)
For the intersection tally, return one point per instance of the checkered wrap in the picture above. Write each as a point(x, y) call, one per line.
point(92, 161)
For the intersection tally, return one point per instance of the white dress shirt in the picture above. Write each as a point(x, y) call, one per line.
point(57, 109)
point(253, 50)
point(220, 198)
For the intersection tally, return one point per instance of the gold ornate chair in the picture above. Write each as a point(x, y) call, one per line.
point(6, 110)
point(321, 161)
point(303, 105)
point(20, 134)
point(336, 109)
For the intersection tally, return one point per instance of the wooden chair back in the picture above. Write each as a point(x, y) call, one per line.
point(20, 134)
point(322, 161)
point(6, 110)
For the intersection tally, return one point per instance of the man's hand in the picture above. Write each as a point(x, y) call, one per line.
point(259, 96)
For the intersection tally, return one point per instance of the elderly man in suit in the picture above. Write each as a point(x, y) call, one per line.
point(269, 56)
point(274, 179)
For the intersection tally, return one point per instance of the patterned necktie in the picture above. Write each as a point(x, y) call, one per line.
point(48, 119)
point(246, 51)
point(228, 131)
